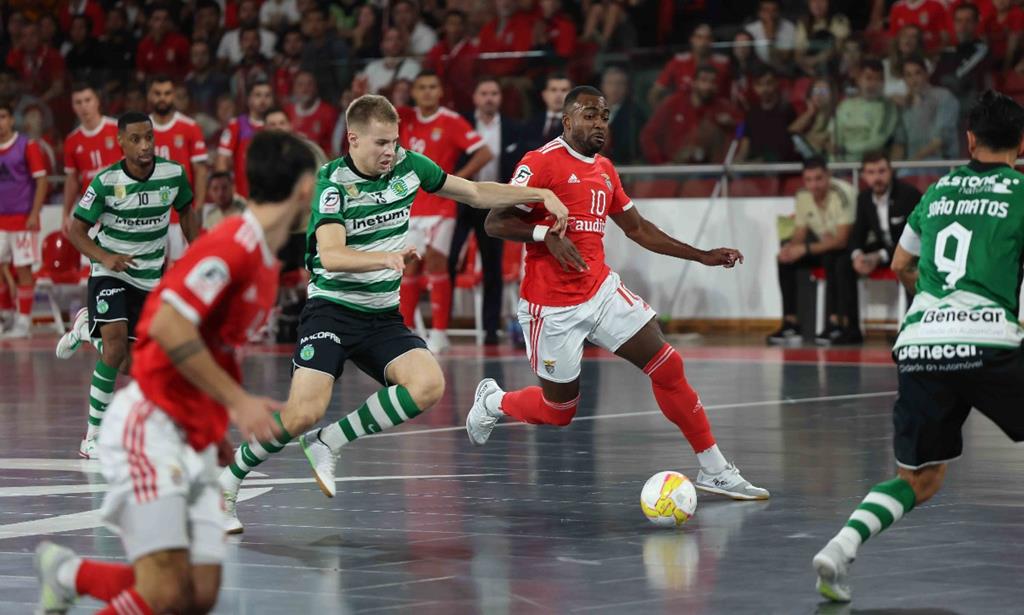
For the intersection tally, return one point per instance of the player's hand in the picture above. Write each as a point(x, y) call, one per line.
point(225, 452)
point(117, 262)
point(565, 252)
point(65, 224)
point(32, 224)
point(722, 257)
point(399, 260)
point(255, 416)
point(557, 209)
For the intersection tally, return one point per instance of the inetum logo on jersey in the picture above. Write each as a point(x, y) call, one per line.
point(974, 185)
point(371, 221)
point(330, 201)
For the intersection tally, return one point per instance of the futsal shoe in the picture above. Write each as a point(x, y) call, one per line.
point(729, 483)
point(89, 448)
point(480, 421)
point(72, 340)
point(437, 341)
point(53, 597)
point(322, 459)
point(231, 523)
point(832, 566)
point(787, 335)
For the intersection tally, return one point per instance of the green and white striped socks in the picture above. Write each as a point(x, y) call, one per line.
point(884, 505)
point(101, 391)
point(384, 409)
point(252, 454)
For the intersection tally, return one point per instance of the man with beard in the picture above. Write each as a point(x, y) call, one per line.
point(234, 141)
point(309, 114)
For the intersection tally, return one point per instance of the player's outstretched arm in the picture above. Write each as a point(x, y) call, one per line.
point(180, 339)
point(646, 234)
point(336, 256)
point(508, 224)
point(492, 195)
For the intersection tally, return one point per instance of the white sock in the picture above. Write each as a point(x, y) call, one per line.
point(93, 431)
point(711, 460)
point(849, 541)
point(67, 573)
point(492, 403)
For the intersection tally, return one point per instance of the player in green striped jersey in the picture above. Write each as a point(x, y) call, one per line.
point(960, 344)
point(131, 201)
point(357, 248)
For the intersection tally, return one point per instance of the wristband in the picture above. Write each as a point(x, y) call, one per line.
point(540, 232)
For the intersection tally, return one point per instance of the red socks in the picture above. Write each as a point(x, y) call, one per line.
point(25, 296)
point(103, 580)
point(677, 400)
point(529, 406)
point(409, 298)
point(440, 300)
point(128, 602)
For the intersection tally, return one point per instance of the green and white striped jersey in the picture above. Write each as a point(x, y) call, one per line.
point(375, 212)
point(133, 215)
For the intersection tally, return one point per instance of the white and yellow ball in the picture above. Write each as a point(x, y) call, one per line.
point(668, 499)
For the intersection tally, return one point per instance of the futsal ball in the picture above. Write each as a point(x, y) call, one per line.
point(668, 499)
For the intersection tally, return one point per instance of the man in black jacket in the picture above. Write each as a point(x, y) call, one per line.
point(545, 126)
point(504, 136)
point(882, 210)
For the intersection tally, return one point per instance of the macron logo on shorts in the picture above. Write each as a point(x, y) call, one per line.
point(321, 335)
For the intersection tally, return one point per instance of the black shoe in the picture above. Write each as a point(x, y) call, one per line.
point(491, 338)
point(829, 335)
point(787, 335)
point(849, 337)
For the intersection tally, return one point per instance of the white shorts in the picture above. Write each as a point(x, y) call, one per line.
point(431, 231)
point(555, 335)
point(19, 247)
point(163, 494)
point(176, 243)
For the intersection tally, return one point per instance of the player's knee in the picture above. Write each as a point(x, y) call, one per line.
point(925, 482)
point(666, 368)
point(170, 593)
point(427, 389)
point(204, 599)
point(115, 351)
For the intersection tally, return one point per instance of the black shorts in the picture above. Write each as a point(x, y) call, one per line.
point(330, 334)
point(113, 300)
point(934, 403)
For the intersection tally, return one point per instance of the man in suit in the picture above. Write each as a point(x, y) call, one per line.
point(882, 210)
point(504, 137)
point(544, 127)
point(627, 120)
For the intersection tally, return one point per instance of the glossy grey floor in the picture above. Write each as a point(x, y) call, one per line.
point(544, 520)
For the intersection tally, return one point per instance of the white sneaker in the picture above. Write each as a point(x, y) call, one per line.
point(21, 329)
point(89, 448)
point(231, 523)
point(480, 421)
point(53, 597)
point(323, 460)
point(731, 484)
point(72, 340)
point(437, 341)
point(833, 567)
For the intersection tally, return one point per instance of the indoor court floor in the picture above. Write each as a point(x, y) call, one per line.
point(543, 520)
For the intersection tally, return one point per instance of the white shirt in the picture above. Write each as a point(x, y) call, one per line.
point(273, 10)
point(230, 49)
point(785, 38)
point(379, 75)
point(422, 39)
point(491, 135)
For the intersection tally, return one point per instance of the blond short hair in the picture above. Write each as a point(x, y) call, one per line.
point(370, 107)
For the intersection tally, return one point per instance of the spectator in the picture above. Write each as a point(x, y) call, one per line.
point(339, 144)
point(677, 75)
point(510, 32)
point(929, 15)
point(221, 200)
point(310, 116)
point(134, 99)
point(766, 135)
point(182, 100)
point(205, 83)
point(206, 24)
point(691, 127)
point(234, 141)
point(118, 45)
point(1002, 29)
point(819, 35)
point(324, 55)
point(162, 51)
point(366, 34)
point(929, 122)
point(544, 127)
point(625, 120)
point(851, 59)
point(742, 63)
point(554, 32)
point(49, 32)
point(253, 67)
point(882, 211)
point(866, 122)
point(405, 15)
point(277, 15)
point(36, 125)
point(454, 59)
point(226, 110)
point(908, 44)
point(88, 8)
point(812, 130)
point(503, 136)
point(399, 93)
point(774, 37)
point(230, 51)
point(825, 211)
point(288, 63)
point(394, 65)
point(607, 24)
point(40, 68)
point(964, 69)
point(344, 14)
point(82, 56)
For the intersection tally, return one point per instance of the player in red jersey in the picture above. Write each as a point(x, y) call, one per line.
point(163, 432)
point(88, 149)
point(569, 295)
point(444, 136)
point(234, 141)
point(177, 137)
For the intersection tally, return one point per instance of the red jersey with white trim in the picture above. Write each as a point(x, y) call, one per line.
point(180, 140)
point(591, 190)
point(316, 123)
point(225, 284)
point(443, 137)
point(86, 153)
point(234, 142)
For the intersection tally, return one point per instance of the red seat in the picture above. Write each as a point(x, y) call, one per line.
point(883, 273)
point(698, 188)
point(1013, 85)
point(754, 186)
point(60, 260)
point(469, 273)
point(791, 184)
point(655, 188)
